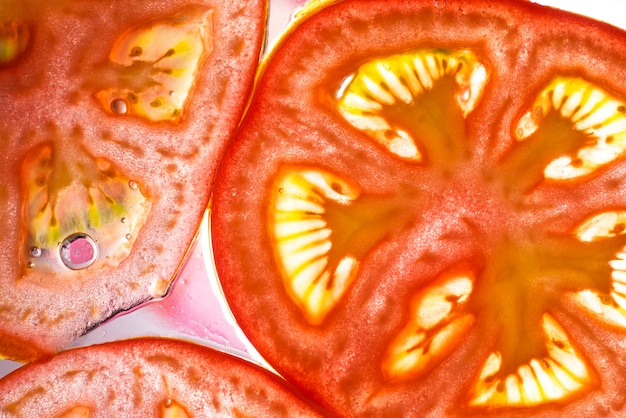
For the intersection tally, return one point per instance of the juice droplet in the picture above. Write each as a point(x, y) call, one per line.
point(119, 106)
point(35, 252)
point(78, 251)
point(133, 184)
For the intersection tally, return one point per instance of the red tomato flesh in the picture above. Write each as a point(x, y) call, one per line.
point(115, 116)
point(423, 212)
point(148, 377)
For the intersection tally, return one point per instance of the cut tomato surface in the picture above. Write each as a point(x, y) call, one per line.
point(148, 377)
point(423, 212)
point(115, 114)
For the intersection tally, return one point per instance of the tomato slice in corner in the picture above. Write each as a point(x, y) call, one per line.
point(115, 116)
point(423, 212)
point(148, 377)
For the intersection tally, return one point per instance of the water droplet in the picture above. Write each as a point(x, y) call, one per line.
point(439, 4)
point(30, 264)
point(281, 190)
point(123, 220)
point(133, 184)
point(167, 402)
point(129, 237)
point(136, 51)
point(78, 251)
point(119, 106)
point(35, 252)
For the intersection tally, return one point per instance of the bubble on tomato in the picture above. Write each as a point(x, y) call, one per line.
point(14, 39)
point(384, 96)
point(78, 251)
point(119, 106)
point(72, 208)
point(152, 68)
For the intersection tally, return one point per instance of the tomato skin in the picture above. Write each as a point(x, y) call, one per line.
point(145, 376)
point(132, 172)
point(292, 122)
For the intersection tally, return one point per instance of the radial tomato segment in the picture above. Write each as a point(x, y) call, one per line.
point(560, 375)
point(321, 227)
point(438, 197)
point(386, 100)
point(593, 119)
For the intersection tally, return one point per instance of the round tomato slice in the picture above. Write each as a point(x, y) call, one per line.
point(423, 212)
point(115, 116)
point(148, 377)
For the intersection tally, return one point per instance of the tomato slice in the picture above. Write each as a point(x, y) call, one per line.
point(423, 214)
point(148, 377)
point(116, 114)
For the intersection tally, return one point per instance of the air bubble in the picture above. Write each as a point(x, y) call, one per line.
point(119, 106)
point(78, 251)
point(136, 51)
point(35, 252)
point(439, 4)
point(133, 184)
point(129, 237)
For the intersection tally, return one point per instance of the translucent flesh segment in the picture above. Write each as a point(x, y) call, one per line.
point(153, 68)
point(595, 114)
point(173, 409)
point(76, 412)
point(67, 191)
point(388, 97)
point(558, 376)
point(602, 226)
point(14, 38)
point(437, 324)
point(321, 227)
point(610, 306)
point(303, 240)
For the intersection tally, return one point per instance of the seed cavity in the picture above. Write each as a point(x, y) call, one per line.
point(315, 278)
point(372, 98)
point(71, 209)
point(437, 325)
point(592, 111)
point(150, 61)
point(559, 376)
